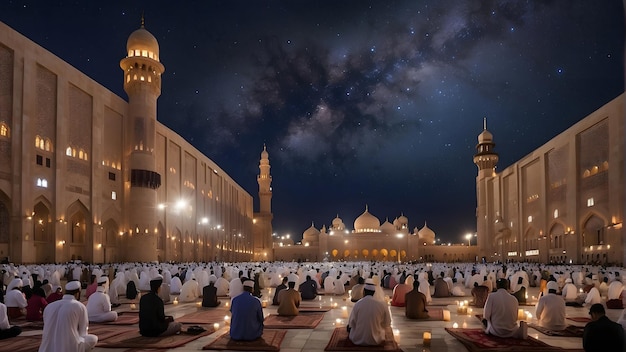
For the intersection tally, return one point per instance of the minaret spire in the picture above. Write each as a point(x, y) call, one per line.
point(484, 123)
point(143, 21)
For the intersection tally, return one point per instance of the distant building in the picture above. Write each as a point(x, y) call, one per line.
point(563, 202)
point(86, 175)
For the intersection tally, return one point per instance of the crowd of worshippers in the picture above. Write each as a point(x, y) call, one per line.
point(34, 293)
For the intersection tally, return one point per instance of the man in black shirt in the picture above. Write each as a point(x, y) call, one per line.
point(602, 334)
point(152, 318)
point(308, 289)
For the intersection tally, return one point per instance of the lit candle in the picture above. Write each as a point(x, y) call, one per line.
point(199, 304)
point(455, 325)
point(464, 325)
point(216, 326)
point(175, 301)
point(446, 315)
point(264, 304)
point(469, 311)
point(427, 336)
point(226, 320)
point(133, 306)
point(520, 314)
point(335, 305)
point(338, 321)
point(396, 335)
point(344, 312)
point(227, 304)
point(528, 315)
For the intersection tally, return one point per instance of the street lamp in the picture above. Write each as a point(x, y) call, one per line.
point(468, 237)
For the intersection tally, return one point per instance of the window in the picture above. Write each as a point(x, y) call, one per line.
point(68, 151)
point(39, 160)
point(4, 130)
point(48, 162)
point(42, 182)
point(114, 195)
point(590, 202)
point(112, 176)
point(530, 218)
point(556, 213)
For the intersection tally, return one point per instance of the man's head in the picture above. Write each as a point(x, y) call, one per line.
point(285, 279)
point(291, 284)
point(369, 289)
point(552, 287)
point(73, 288)
point(596, 311)
point(502, 283)
point(416, 284)
point(155, 283)
point(248, 285)
point(102, 280)
point(361, 280)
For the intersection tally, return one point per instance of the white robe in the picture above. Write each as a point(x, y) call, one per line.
point(501, 314)
point(65, 327)
point(222, 286)
point(189, 292)
point(368, 321)
point(99, 307)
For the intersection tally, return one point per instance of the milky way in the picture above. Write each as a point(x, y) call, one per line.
point(358, 102)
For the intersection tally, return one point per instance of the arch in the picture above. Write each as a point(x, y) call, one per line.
point(41, 222)
point(365, 253)
point(557, 231)
point(374, 253)
point(384, 252)
point(5, 131)
point(593, 230)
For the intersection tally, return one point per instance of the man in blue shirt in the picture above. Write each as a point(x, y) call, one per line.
point(247, 315)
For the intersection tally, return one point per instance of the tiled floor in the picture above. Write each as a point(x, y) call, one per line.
point(408, 332)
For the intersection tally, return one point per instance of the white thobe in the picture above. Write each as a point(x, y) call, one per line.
point(550, 312)
point(615, 290)
point(593, 297)
point(15, 298)
point(235, 287)
point(189, 292)
point(368, 321)
point(65, 327)
point(501, 314)
point(99, 307)
point(569, 292)
point(222, 286)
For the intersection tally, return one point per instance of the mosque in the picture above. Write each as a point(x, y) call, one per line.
point(150, 195)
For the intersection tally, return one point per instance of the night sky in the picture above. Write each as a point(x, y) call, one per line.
point(358, 102)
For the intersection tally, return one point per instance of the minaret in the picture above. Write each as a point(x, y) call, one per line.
point(486, 160)
point(263, 219)
point(142, 83)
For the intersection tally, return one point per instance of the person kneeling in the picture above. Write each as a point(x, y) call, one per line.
point(152, 318)
point(500, 314)
point(289, 300)
point(368, 320)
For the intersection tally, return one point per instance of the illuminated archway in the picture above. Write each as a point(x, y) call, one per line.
point(335, 252)
point(384, 252)
point(374, 253)
point(365, 253)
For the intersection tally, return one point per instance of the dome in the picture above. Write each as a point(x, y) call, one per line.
point(338, 223)
point(387, 227)
point(403, 221)
point(311, 231)
point(141, 39)
point(366, 223)
point(426, 234)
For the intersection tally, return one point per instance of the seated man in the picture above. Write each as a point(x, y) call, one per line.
point(289, 300)
point(500, 314)
point(221, 284)
point(99, 304)
point(190, 291)
point(36, 304)
point(415, 303)
point(400, 291)
point(247, 315)
point(209, 295)
point(15, 300)
point(369, 319)
point(550, 311)
point(480, 294)
point(569, 292)
point(520, 294)
point(65, 323)
point(357, 290)
point(602, 334)
point(308, 289)
point(441, 287)
point(152, 319)
point(6, 330)
point(279, 288)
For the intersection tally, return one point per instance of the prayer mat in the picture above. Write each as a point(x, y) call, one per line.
point(339, 341)
point(301, 321)
point(21, 344)
point(105, 331)
point(477, 341)
point(29, 325)
point(204, 316)
point(569, 331)
point(269, 341)
point(132, 339)
point(314, 309)
point(124, 318)
point(580, 319)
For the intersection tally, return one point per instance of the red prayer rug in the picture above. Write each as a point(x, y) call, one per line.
point(301, 321)
point(132, 339)
point(21, 344)
point(339, 341)
point(269, 341)
point(476, 341)
point(124, 318)
point(204, 316)
point(569, 331)
point(314, 309)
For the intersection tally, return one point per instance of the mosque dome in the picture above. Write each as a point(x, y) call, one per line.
point(366, 223)
point(403, 221)
point(311, 231)
point(337, 224)
point(426, 234)
point(142, 43)
point(387, 227)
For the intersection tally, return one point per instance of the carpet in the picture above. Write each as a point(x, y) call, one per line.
point(580, 319)
point(339, 341)
point(105, 331)
point(125, 318)
point(21, 344)
point(204, 316)
point(313, 309)
point(29, 325)
point(132, 339)
point(476, 340)
point(269, 341)
point(569, 331)
point(301, 321)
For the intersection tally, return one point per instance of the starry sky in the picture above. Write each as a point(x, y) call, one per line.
point(359, 103)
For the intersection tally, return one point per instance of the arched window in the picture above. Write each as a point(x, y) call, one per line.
point(4, 130)
point(68, 151)
point(48, 145)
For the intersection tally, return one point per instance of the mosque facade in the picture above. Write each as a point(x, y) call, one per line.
point(561, 203)
point(86, 175)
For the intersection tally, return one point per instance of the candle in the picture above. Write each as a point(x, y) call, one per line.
point(427, 336)
point(335, 305)
point(226, 320)
point(455, 325)
point(446, 315)
point(199, 304)
point(216, 326)
point(133, 306)
point(344, 312)
point(469, 311)
point(227, 304)
point(528, 315)
point(464, 325)
point(264, 304)
point(319, 298)
point(175, 301)
point(520, 314)
point(338, 322)
point(396, 335)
